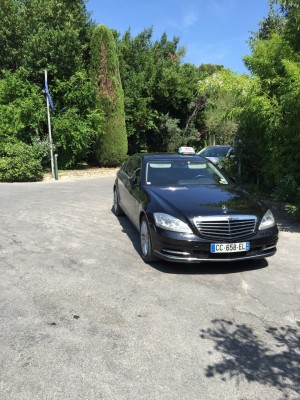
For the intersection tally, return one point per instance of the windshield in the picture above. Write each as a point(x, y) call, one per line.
point(214, 151)
point(183, 172)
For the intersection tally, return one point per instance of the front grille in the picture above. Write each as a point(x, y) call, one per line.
point(225, 227)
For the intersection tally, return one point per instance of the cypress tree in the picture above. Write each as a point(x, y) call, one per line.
point(110, 148)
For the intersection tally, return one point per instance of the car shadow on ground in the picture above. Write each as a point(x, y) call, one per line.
point(211, 268)
point(203, 268)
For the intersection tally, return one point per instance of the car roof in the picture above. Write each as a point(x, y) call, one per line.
point(169, 156)
point(217, 145)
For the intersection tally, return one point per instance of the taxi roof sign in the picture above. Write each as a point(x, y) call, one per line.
point(184, 150)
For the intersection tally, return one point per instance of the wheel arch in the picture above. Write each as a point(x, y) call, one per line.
point(142, 214)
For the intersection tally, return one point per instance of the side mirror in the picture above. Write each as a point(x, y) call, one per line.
point(135, 178)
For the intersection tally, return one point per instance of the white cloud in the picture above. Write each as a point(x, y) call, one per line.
point(183, 21)
point(221, 9)
point(190, 18)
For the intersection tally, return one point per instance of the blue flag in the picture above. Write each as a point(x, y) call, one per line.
point(47, 93)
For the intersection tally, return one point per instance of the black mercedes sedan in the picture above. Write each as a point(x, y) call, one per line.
point(186, 210)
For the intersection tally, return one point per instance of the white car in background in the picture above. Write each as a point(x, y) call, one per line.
point(216, 153)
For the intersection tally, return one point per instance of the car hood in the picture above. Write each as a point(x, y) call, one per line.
point(191, 201)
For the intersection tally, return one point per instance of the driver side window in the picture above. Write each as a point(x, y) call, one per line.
point(133, 167)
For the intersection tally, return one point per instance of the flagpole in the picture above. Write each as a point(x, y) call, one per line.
point(49, 131)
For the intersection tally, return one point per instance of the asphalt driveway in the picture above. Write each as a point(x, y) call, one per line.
point(83, 317)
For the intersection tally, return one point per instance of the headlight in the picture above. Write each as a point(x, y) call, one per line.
point(166, 221)
point(267, 221)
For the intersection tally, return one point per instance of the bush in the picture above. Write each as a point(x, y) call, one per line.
point(20, 162)
point(73, 136)
point(231, 167)
point(288, 191)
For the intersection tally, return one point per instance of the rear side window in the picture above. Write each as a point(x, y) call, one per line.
point(131, 165)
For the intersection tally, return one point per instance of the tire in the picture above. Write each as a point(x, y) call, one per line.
point(116, 207)
point(145, 241)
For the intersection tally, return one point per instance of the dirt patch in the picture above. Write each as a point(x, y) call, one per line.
point(82, 173)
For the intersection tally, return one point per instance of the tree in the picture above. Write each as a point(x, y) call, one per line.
point(209, 69)
point(21, 117)
point(44, 34)
point(22, 110)
point(275, 60)
point(290, 14)
point(38, 35)
point(136, 71)
point(110, 147)
point(257, 122)
point(13, 34)
point(79, 120)
point(225, 93)
point(157, 87)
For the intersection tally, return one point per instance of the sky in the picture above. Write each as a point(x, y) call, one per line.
point(212, 31)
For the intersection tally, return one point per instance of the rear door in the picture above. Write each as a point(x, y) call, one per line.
point(129, 188)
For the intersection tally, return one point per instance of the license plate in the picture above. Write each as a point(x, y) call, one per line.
point(229, 247)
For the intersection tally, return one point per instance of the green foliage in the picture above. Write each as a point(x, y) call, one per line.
point(20, 162)
point(172, 134)
point(44, 34)
point(23, 114)
point(156, 84)
point(136, 70)
point(275, 60)
point(288, 153)
point(290, 95)
point(288, 191)
point(73, 137)
point(219, 119)
point(267, 59)
point(225, 93)
point(110, 148)
point(77, 91)
point(209, 69)
point(58, 36)
point(273, 23)
point(290, 10)
point(257, 122)
point(231, 167)
point(12, 32)
point(225, 81)
point(78, 123)
point(22, 109)
point(47, 34)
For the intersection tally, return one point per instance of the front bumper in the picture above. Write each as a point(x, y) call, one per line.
point(189, 248)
